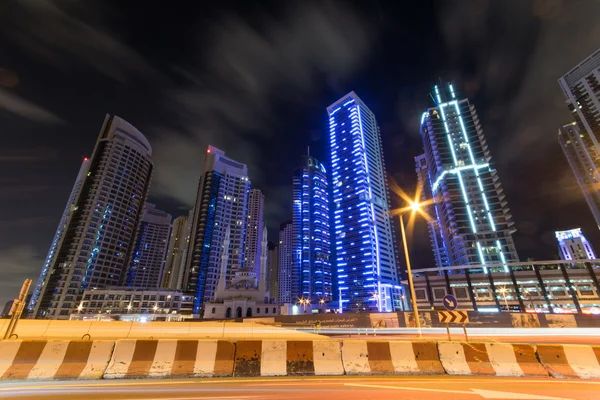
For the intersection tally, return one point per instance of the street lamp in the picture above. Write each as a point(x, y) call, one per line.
point(155, 308)
point(128, 308)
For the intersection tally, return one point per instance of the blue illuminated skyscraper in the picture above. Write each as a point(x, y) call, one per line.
point(367, 276)
point(311, 275)
point(470, 206)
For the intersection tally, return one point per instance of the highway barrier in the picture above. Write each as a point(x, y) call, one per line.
point(287, 358)
point(461, 358)
point(571, 361)
point(42, 359)
point(361, 357)
point(171, 358)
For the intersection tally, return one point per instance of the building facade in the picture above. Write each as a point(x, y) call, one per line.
point(272, 271)
point(172, 277)
point(440, 255)
point(311, 275)
point(254, 230)
point(581, 141)
point(148, 258)
point(367, 276)
point(572, 245)
point(469, 202)
point(221, 205)
point(285, 263)
point(95, 242)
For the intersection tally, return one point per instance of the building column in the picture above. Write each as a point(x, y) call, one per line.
point(472, 294)
point(570, 289)
point(543, 288)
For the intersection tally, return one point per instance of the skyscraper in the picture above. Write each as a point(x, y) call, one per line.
point(254, 230)
point(311, 275)
point(62, 225)
point(572, 245)
point(581, 141)
point(367, 274)
point(272, 271)
point(93, 244)
point(172, 276)
point(286, 263)
point(222, 203)
point(148, 258)
point(470, 206)
point(440, 255)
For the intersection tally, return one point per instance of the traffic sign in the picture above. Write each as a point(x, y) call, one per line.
point(449, 302)
point(457, 317)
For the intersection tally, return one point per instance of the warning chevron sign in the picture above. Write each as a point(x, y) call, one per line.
point(457, 317)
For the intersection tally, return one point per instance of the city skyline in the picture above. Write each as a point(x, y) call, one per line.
point(48, 132)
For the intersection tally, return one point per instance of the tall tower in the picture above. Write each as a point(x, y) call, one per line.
point(581, 141)
point(572, 245)
point(311, 275)
point(254, 230)
point(172, 276)
point(470, 206)
point(440, 254)
point(148, 258)
point(222, 203)
point(94, 242)
point(286, 262)
point(367, 274)
point(272, 277)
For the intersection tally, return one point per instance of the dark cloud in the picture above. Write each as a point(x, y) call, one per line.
point(247, 69)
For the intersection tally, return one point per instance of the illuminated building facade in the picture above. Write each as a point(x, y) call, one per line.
point(581, 141)
point(470, 206)
point(254, 230)
point(572, 245)
point(311, 275)
point(286, 263)
point(366, 273)
point(440, 255)
point(148, 257)
point(221, 206)
point(95, 241)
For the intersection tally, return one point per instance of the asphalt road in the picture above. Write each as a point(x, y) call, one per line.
point(344, 388)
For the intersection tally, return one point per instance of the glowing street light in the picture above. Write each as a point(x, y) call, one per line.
point(503, 291)
point(155, 308)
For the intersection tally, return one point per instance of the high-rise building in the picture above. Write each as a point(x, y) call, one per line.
point(440, 255)
point(62, 225)
point(254, 230)
point(572, 245)
point(469, 203)
point(581, 141)
point(311, 275)
point(272, 271)
point(148, 258)
point(172, 276)
point(94, 243)
point(285, 263)
point(366, 270)
point(222, 203)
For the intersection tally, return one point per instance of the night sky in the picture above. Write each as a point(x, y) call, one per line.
point(254, 79)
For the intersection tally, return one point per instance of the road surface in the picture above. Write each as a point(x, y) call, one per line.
point(334, 388)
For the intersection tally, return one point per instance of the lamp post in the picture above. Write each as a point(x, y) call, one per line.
point(414, 206)
point(503, 292)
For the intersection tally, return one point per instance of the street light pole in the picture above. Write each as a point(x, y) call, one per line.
point(410, 278)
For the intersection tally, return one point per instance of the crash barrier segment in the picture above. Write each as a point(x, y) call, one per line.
point(41, 359)
point(171, 358)
point(287, 358)
point(362, 357)
point(461, 358)
point(570, 361)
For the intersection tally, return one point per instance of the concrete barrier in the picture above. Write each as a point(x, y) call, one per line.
point(361, 357)
point(41, 359)
point(460, 358)
point(570, 361)
point(288, 358)
point(171, 358)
